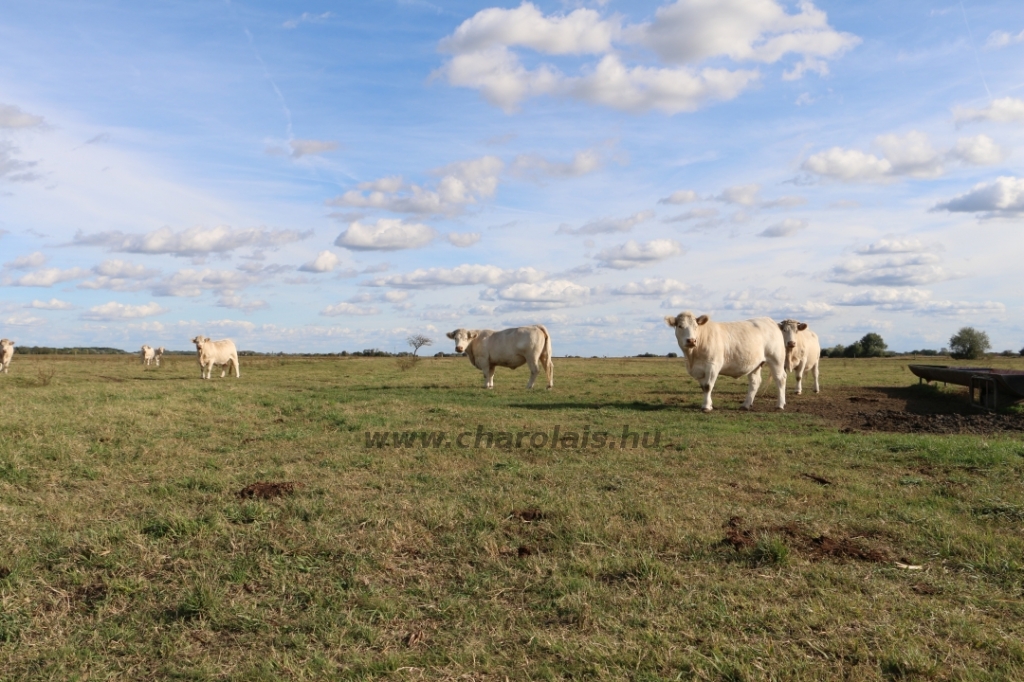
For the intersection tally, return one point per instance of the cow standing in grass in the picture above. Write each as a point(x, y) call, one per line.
point(511, 348)
point(732, 349)
point(803, 350)
point(222, 353)
point(157, 354)
point(147, 355)
point(6, 353)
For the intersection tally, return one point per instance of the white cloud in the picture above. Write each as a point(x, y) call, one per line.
point(462, 275)
point(783, 229)
point(193, 242)
point(998, 39)
point(52, 304)
point(693, 214)
point(1003, 110)
point(651, 286)
point(232, 300)
point(460, 184)
point(549, 294)
point(12, 117)
point(14, 169)
point(462, 239)
point(47, 277)
point(849, 165)
point(683, 34)
point(609, 225)
point(980, 150)
point(325, 261)
point(396, 296)
point(348, 309)
point(120, 311)
point(191, 283)
point(743, 195)
point(22, 320)
point(119, 275)
point(681, 196)
point(633, 254)
point(884, 246)
point(388, 234)
point(912, 270)
point(1004, 197)
point(919, 302)
point(27, 262)
point(911, 154)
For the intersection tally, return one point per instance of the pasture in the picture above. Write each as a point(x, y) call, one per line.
point(730, 545)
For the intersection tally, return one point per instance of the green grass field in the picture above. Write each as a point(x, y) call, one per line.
point(127, 553)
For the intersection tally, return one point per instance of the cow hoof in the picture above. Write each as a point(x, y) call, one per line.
point(799, 392)
point(706, 410)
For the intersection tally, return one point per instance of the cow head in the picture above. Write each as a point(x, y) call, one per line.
point(5, 344)
point(687, 328)
point(160, 350)
point(200, 341)
point(790, 329)
point(462, 337)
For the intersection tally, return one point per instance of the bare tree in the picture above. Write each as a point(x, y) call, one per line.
point(417, 341)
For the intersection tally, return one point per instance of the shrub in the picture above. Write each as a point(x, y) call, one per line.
point(969, 344)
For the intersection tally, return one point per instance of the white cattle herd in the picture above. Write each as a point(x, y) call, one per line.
point(710, 349)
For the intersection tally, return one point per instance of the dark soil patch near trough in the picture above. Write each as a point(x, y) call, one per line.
point(911, 409)
point(266, 490)
point(812, 546)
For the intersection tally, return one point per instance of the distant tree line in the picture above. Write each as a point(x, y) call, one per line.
point(871, 345)
point(91, 350)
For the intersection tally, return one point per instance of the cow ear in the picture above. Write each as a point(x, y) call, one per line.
point(782, 326)
point(670, 320)
point(472, 335)
point(703, 319)
point(802, 326)
point(450, 335)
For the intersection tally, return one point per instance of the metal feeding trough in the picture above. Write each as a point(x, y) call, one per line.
point(991, 384)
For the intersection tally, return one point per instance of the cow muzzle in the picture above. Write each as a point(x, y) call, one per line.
point(459, 349)
point(691, 343)
point(791, 345)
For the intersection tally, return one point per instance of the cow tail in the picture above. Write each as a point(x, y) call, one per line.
point(545, 356)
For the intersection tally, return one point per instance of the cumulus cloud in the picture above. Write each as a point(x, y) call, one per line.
point(681, 196)
point(609, 225)
point(1004, 197)
point(46, 277)
point(121, 311)
point(12, 117)
point(193, 242)
point(27, 262)
point(849, 165)
point(232, 300)
point(917, 301)
point(633, 254)
point(462, 239)
point(52, 304)
point(683, 35)
point(1003, 110)
point(783, 229)
point(462, 275)
point(884, 246)
point(910, 270)
point(460, 184)
point(980, 150)
point(190, 283)
point(388, 234)
point(693, 214)
point(119, 275)
point(743, 195)
point(325, 261)
point(549, 294)
point(348, 309)
point(911, 154)
point(651, 286)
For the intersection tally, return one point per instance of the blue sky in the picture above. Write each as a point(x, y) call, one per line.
point(338, 176)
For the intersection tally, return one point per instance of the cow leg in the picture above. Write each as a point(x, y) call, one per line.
point(550, 371)
point(238, 372)
point(798, 373)
point(489, 377)
point(708, 385)
point(817, 385)
point(755, 383)
point(534, 365)
point(779, 374)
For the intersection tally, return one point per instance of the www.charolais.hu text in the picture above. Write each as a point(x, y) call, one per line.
point(555, 438)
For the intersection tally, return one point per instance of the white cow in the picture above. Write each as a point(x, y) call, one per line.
point(511, 348)
point(157, 354)
point(212, 353)
point(148, 354)
point(803, 350)
point(733, 349)
point(6, 353)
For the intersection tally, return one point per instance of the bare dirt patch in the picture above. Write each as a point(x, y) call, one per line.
point(812, 546)
point(911, 409)
point(266, 490)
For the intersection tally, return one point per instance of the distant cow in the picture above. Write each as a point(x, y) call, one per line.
point(6, 353)
point(511, 348)
point(148, 354)
point(157, 354)
point(212, 353)
point(733, 349)
point(803, 351)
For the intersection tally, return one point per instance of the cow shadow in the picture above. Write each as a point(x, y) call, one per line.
point(631, 406)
